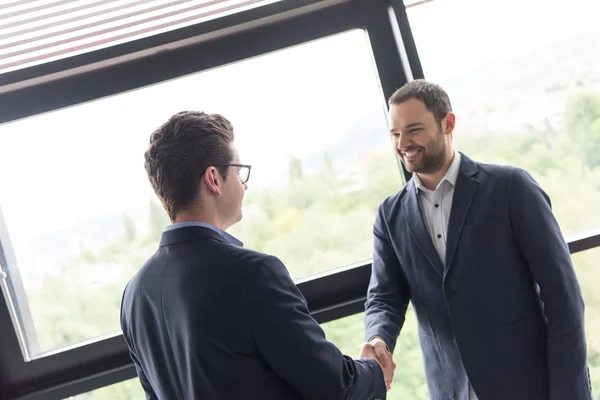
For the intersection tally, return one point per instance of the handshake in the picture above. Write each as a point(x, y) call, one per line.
point(378, 351)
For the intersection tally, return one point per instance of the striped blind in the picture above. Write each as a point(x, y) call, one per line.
point(37, 31)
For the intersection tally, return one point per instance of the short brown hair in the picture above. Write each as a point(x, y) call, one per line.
point(181, 150)
point(435, 98)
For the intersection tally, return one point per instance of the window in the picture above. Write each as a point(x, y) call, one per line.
point(80, 218)
point(524, 80)
point(586, 267)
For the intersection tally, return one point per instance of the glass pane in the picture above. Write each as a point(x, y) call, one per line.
point(82, 218)
point(587, 266)
point(409, 378)
point(127, 390)
point(524, 80)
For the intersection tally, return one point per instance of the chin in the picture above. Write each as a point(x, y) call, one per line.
point(412, 168)
point(407, 166)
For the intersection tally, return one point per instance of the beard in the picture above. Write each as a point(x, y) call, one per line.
point(433, 155)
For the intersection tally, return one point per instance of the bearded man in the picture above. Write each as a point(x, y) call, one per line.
point(477, 250)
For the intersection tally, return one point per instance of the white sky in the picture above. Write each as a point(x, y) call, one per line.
point(455, 35)
point(87, 161)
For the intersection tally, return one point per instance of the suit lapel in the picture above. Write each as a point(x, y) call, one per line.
point(464, 192)
point(413, 216)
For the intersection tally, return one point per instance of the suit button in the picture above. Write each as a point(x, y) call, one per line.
point(450, 294)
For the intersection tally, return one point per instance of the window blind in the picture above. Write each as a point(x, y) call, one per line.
point(38, 31)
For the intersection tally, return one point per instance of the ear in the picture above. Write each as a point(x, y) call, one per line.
point(448, 123)
point(213, 181)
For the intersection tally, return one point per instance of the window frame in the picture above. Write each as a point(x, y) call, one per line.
point(276, 26)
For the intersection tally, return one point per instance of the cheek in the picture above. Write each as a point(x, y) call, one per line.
point(429, 140)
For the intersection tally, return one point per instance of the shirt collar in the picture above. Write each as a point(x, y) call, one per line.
point(450, 177)
point(228, 237)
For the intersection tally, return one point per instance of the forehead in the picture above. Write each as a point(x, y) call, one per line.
point(410, 111)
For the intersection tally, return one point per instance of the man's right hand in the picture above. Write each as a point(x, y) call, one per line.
point(377, 350)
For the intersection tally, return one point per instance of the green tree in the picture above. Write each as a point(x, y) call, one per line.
point(129, 227)
point(296, 172)
point(583, 124)
point(158, 219)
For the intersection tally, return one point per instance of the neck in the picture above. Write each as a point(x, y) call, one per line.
point(200, 216)
point(431, 181)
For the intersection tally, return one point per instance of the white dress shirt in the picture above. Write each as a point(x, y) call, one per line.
point(435, 208)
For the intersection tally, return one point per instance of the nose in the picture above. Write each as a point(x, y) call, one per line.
point(245, 186)
point(402, 143)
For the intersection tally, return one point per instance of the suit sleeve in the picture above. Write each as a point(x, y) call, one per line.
point(541, 242)
point(150, 395)
point(389, 292)
point(295, 347)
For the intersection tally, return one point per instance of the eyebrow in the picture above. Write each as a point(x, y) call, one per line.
point(411, 125)
point(414, 125)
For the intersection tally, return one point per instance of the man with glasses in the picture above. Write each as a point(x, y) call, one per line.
point(206, 318)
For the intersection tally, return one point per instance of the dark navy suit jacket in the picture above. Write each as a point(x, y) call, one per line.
point(506, 304)
point(205, 319)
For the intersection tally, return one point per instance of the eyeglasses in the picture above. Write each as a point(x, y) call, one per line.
point(243, 173)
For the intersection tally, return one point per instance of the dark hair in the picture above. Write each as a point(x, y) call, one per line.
point(181, 150)
point(435, 98)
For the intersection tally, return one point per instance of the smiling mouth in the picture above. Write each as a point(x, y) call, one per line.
point(411, 154)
